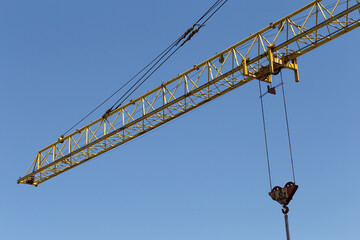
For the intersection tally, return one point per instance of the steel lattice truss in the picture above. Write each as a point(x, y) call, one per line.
point(257, 57)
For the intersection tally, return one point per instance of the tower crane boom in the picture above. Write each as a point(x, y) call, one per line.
point(258, 56)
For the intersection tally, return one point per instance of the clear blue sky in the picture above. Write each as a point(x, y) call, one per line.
point(202, 176)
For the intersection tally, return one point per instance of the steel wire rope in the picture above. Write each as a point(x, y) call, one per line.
point(133, 88)
point(127, 92)
point(83, 140)
point(117, 91)
point(158, 99)
point(265, 136)
point(196, 23)
point(176, 42)
point(287, 121)
point(208, 11)
point(287, 126)
point(124, 85)
point(130, 93)
point(214, 12)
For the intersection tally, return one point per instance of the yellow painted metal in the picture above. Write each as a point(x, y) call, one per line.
point(256, 57)
point(271, 58)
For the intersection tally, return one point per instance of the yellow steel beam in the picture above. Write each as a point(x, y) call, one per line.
point(256, 57)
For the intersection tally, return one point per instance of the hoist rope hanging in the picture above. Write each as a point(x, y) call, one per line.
point(191, 32)
point(287, 229)
point(281, 195)
point(265, 136)
point(287, 127)
point(272, 91)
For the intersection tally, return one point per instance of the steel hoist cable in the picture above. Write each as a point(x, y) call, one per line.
point(281, 195)
point(189, 34)
point(287, 127)
point(156, 62)
point(265, 136)
point(124, 85)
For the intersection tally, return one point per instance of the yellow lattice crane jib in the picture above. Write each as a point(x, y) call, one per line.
point(258, 56)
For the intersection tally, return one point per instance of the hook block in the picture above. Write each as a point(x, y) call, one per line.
point(284, 195)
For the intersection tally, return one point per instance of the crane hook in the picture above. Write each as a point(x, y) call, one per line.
point(285, 209)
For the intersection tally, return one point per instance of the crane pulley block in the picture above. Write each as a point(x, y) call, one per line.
point(264, 73)
point(284, 195)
